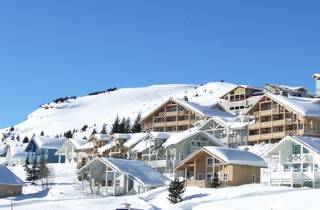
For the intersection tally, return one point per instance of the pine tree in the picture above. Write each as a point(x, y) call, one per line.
point(136, 127)
point(115, 126)
point(34, 171)
point(176, 190)
point(215, 181)
point(94, 131)
point(11, 129)
point(25, 140)
point(122, 126)
point(68, 135)
point(104, 129)
point(43, 173)
point(27, 169)
point(128, 125)
point(42, 133)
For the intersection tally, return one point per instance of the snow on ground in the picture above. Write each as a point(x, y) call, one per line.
point(99, 109)
point(66, 193)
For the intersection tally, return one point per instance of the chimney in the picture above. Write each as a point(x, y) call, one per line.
point(316, 76)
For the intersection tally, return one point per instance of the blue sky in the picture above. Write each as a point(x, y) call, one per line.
point(71, 47)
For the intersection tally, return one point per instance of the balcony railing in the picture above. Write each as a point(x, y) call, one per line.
point(300, 158)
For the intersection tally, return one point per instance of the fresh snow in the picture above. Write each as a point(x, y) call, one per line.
point(66, 193)
point(94, 111)
point(138, 171)
point(236, 156)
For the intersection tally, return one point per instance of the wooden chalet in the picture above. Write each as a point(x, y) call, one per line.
point(275, 117)
point(176, 115)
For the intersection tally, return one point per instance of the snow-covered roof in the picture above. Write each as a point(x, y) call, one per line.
point(160, 135)
point(312, 143)
point(308, 107)
point(178, 137)
point(7, 177)
point(88, 145)
point(102, 137)
point(236, 156)
point(141, 146)
point(241, 86)
point(138, 171)
point(78, 143)
point(202, 110)
point(258, 149)
point(135, 138)
point(207, 111)
point(228, 121)
point(106, 147)
point(48, 142)
point(16, 151)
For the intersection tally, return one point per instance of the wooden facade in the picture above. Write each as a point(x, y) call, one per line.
point(200, 167)
point(240, 98)
point(171, 116)
point(274, 120)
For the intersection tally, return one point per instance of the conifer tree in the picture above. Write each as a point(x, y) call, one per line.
point(43, 172)
point(215, 181)
point(122, 126)
point(136, 127)
point(128, 125)
point(104, 129)
point(27, 169)
point(176, 190)
point(94, 131)
point(42, 133)
point(25, 140)
point(115, 126)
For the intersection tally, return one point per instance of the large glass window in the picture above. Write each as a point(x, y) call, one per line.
point(305, 167)
point(296, 149)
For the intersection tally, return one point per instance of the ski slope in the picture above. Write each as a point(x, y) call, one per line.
point(94, 111)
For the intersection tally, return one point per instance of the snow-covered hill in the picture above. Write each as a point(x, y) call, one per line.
point(94, 111)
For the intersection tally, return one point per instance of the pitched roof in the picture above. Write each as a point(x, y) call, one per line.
point(178, 137)
point(138, 171)
point(241, 86)
point(312, 143)
point(207, 111)
point(7, 177)
point(48, 142)
point(236, 156)
point(308, 107)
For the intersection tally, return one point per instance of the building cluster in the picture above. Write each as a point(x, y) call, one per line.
point(199, 143)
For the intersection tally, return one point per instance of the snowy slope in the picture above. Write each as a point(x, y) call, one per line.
point(96, 110)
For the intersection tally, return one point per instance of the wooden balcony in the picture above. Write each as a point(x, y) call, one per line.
point(266, 112)
point(198, 183)
point(254, 138)
point(253, 126)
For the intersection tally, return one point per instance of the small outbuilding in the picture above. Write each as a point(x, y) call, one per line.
point(111, 176)
point(10, 184)
point(232, 167)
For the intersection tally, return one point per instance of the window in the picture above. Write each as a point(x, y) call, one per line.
point(305, 151)
point(109, 183)
point(117, 183)
point(253, 178)
point(296, 149)
point(305, 167)
point(296, 167)
point(200, 176)
point(225, 177)
point(285, 168)
point(216, 161)
point(209, 162)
